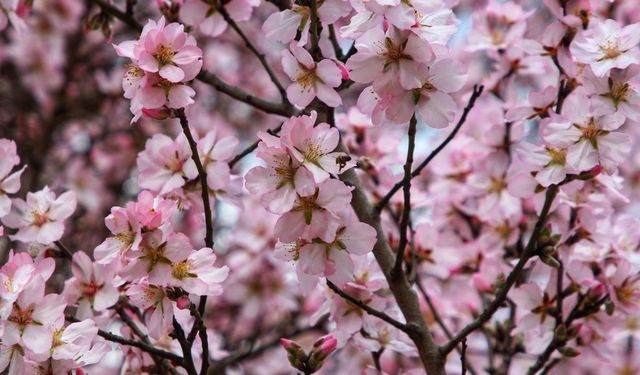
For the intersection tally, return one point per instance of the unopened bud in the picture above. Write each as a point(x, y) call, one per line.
point(183, 303)
point(324, 346)
point(548, 250)
point(295, 354)
point(157, 113)
point(569, 352)
point(550, 261)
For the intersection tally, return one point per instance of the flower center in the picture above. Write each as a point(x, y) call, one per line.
point(164, 54)
point(181, 270)
point(497, 185)
point(21, 317)
point(38, 218)
point(308, 77)
point(610, 49)
point(90, 289)
point(558, 156)
point(619, 93)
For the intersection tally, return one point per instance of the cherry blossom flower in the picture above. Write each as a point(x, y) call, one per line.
point(606, 45)
point(396, 56)
point(32, 315)
point(314, 215)
point(196, 273)
point(313, 145)
point(310, 79)
point(90, 287)
point(154, 302)
point(165, 164)
point(590, 140)
point(206, 16)
point(41, 217)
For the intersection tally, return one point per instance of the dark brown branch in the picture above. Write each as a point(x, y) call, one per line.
point(179, 335)
point(477, 91)
point(261, 56)
point(135, 343)
point(406, 189)
point(515, 274)
point(202, 175)
point(65, 250)
point(366, 308)
point(249, 149)
point(285, 110)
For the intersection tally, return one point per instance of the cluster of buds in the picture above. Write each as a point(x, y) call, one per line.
point(311, 362)
point(547, 247)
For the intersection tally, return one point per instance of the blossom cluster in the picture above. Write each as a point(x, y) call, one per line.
point(358, 187)
point(162, 61)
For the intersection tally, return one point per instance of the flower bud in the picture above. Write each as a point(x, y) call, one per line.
point(324, 346)
point(295, 354)
point(183, 303)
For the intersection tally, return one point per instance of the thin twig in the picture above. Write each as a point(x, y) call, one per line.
point(261, 56)
point(249, 149)
point(477, 91)
point(368, 309)
point(515, 274)
point(463, 356)
point(186, 348)
point(406, 189)
point(135, 343)
point(202, 174)
point(65, 250)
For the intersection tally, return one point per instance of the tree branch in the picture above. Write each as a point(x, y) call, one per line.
point(366, 308)
point(406, 188)
point(135, 343)
point(501, 295)
point(261, 57)
point(477, 91)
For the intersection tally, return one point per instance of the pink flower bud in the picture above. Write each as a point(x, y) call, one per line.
point(343, 70)
point(327, 344)
point(183, 303)
point(157, 113)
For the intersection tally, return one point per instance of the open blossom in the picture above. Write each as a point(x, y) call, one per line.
point(157, 308)
point(15, 275)
point(164, 58)
point(281, 180)
point(607, 45)
point(314, 214)
point(549, 163)
point(9, 182)
point(433, 102)
point(589, 140)
point(91, 286)
point(616, 94)
point(215, 152)
point(333, 260)
point(396, 56)
point(30, 321)
point(207, 17)
point(167, 50)
point(41, 217)
point(124, 226)
point(165, 164)
point(196, 274)
point(310, 79)
point(313, 146)
point(158, 251)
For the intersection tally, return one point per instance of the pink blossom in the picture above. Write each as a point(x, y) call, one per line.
point(215, 152)
point(396, 56)
point(281, 180)
point(91, 286)
point(314, 215)
point(9, 182)
point(41, 217)
point(123, 224)
point(313, 145)
point(283, 26)
point(209, 20)
point(590, 140)
point(157, 308)
point(310, 79)
point(165, 164)
point(196, 274)
point(29, 323)
point(606, 45)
